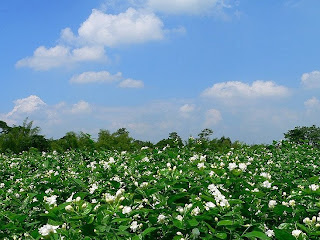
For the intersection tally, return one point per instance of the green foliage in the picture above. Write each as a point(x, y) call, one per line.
point(304, 135)
point(21, 138)
point(174, 193)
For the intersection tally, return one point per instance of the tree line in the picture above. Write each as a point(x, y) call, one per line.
point(17, 139)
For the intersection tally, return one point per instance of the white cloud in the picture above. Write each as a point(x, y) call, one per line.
point(236, 89)
point(96, 77)
point(187, 108)
point(132, 26)
point(47, 58)
point(185, 6)
point(131, 83)
point(312, 103)
point(311, 80)
point(212, 117)
point(81, 107)
point(26, 105)
point(99, 31)
point(86, 53)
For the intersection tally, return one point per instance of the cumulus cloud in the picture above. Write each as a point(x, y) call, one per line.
point(312, 103)
point(96, 33)
point(311, 80)
point(236, 89)
point(187, 108)
point(81, 107)
point(212, 117)
point(185, 6)
point(131, 83)
point(96, 77)
point(132, 26)
point(47, 58)
point(26, 105)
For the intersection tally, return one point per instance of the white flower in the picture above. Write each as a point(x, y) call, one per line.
point(232, 166)
point(272, 203)
point(195, 211)
point(201, 165)
point(180, 209)
point(51, 200)
point(296, 233)
point(48, 191)
point(144, 184)
point(265, 175)
point(93, 188)
point(126, 209)
point(306, 220)
point(120, 192)
point(47, 229)
point(70, 198)
point(68, 208)
point(109, 198)
point(134, 226)
point(270, 233)
point(179, 217)
point(195, 233)
point(266, 184)
point(292, 203)
point(242, 166)
point(161, 218)
point(111, 160)
point(314, 187)
point(209, 205)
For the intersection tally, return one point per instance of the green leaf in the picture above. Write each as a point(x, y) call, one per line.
point(317, 233)
point(235, 201)
point(79, 182)
point(137, 237)
point(225, 223)
point(256, 234)
point(148, 230)
point(221, 235)
point(176, 197)
point(193, 222)
point(210, 228)
point(120, 220)
point(178, 224)
point(283, 235)
point(123, 227)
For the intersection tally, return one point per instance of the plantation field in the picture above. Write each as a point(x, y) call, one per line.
point(173, 193)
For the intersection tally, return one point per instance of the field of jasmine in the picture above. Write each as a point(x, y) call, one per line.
point(174, 193)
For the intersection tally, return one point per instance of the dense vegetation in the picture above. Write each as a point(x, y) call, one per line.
point(120, 188)
point(22, 138)
point(258, 192)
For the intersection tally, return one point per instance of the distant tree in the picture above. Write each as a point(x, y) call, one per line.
point(4, 127)
point(121, 140)
point(301, 135)
point(85, 142)
point(138, 144)
point(68, 142)
point(104, 140)
point(174, 140)
point(205, 134)
point(21, 138)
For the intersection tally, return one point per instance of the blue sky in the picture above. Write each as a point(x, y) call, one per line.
point(249, 70)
